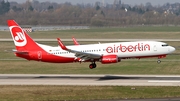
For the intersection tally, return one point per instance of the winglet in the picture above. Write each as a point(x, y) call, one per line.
point(61, 44)
point(75, 41)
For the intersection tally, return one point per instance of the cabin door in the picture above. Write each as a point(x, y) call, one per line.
point(155, 48)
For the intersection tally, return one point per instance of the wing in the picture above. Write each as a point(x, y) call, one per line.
point(82, 55)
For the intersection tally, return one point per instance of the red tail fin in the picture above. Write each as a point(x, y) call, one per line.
point(22, 40)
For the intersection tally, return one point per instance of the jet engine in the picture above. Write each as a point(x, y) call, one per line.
point(107, 59)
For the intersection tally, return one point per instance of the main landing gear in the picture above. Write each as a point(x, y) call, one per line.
point(92, 65)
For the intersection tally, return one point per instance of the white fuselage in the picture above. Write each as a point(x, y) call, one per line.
point(106, 53)
point(121, 49)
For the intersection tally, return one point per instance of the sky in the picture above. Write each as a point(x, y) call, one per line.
point(130, 2)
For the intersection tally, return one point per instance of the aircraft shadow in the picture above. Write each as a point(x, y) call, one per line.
point(109, 77)
point(137, 78)
point(106, 77)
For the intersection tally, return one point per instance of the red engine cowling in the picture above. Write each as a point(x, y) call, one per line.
point(107, 59)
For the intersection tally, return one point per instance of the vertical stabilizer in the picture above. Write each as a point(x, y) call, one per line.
point(22, 40)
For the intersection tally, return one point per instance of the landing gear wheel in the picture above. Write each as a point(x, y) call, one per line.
point(92, 66)
point(158, 61)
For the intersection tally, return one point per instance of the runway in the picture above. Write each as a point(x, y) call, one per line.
point(90, 80)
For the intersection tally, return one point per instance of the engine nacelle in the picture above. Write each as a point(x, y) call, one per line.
point(107, 59)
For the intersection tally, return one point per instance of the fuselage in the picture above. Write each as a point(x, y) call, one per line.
point(106, 53)
point(124, 50)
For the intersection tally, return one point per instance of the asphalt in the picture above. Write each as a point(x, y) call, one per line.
point(97, 80)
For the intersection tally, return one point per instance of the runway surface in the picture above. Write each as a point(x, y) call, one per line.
point(98, 80)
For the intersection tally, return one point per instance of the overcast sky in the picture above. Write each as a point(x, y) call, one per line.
point(131, 2)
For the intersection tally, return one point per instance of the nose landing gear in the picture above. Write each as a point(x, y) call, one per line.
point(158, 61)
point(159, 57)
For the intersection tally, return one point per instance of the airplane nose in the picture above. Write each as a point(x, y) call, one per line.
point(172, 49)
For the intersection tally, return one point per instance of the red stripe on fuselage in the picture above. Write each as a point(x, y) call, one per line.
point(46, 57)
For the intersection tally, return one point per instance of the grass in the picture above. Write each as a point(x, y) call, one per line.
point(115, 33)
point(130, 29)
point(164, 32)
point(124, 67)
point(63, 93)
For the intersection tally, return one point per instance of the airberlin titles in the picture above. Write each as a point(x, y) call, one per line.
point(128, 48)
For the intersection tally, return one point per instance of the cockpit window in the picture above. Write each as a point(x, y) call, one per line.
point(164, 45)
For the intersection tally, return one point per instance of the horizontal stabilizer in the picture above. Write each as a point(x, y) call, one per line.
point(20, 52)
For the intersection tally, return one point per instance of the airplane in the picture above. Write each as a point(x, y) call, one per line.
point(106, 53)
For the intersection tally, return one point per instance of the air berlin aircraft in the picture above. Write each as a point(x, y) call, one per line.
point(105, 53)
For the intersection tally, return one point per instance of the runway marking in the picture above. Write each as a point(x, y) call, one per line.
point(163, 81)
point(168, 76)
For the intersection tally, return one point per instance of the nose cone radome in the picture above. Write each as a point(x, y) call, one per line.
point(172, 49)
